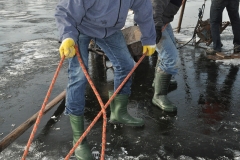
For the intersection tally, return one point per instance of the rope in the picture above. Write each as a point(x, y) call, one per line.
point(41, 112)
point(99, 100)
point(102, 106)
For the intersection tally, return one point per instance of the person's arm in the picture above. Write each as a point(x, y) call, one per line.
point(143, 16)
point(68, 15)
point(158, 10)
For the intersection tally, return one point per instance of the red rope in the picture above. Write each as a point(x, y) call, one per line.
point(41, 112)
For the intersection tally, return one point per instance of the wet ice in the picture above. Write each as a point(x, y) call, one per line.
point(37, 53)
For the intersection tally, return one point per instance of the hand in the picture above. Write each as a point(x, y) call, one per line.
point(67, 48)
point(149, 49)
point(158, 33)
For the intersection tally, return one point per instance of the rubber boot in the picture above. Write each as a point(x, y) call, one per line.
point(119, 113)
point(173, 82)
point(161, 84)
point(172, 85)
point(83, 151)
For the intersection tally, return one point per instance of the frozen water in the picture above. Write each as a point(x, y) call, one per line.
point(27, 57)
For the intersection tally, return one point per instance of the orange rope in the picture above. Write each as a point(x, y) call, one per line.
point(41, 112)
point(99, 100)
point(103, 106)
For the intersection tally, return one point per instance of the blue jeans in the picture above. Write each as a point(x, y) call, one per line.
point(117, 52)
point(167, 52)
point(216, 11)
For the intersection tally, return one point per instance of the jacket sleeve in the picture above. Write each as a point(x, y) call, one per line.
point(158, 10)
point(143, 16)
point(169, 13)
point(68, 15)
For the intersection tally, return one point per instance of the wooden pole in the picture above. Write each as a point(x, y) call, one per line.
point(181, 16)
point(6, 141)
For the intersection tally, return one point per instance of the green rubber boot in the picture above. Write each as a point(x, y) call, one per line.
point(161, 84)
point(83, 151)
point(172, 84)
point(119, 113)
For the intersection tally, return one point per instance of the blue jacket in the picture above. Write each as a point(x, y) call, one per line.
point(102, 18)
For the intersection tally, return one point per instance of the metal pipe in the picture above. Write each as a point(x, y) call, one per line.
point(181, 16)
point(7, 140)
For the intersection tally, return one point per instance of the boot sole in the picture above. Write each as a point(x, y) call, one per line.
point(164, 109)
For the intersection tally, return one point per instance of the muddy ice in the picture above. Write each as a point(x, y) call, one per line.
point(206, 126)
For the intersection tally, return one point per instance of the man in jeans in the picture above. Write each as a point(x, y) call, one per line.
point(216, 11)
point(163, 13)
point(78, 22)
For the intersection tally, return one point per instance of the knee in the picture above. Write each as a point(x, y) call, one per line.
point(171, 62)
point(129, 65)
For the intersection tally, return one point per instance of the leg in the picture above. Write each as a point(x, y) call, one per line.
point(167, 55)
point(167, 52)
point(232, 9)
point(216, 10)
point(116, 50)
point(169, 31)
point(75, 98)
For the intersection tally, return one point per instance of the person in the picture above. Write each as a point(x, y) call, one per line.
point(79, 21)
point(163, 14)
point(216, 10)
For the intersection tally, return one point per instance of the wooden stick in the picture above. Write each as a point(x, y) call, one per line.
point(6, 141)
point(181, 16)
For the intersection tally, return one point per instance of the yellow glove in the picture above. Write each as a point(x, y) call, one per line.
point(67, 48)
point(150, 48)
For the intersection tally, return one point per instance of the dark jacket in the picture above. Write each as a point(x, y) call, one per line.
point(165, 10)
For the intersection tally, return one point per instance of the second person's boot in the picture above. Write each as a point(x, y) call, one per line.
point(83, 151)
point(173, 82)
point(161, 84)
point(119, 113)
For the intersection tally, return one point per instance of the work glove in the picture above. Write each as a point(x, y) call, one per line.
point(67, 48)
point(150, 48)
point(158, 33)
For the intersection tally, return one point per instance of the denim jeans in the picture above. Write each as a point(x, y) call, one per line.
point(167, 52)
point(117, 52)
point(216, 11)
